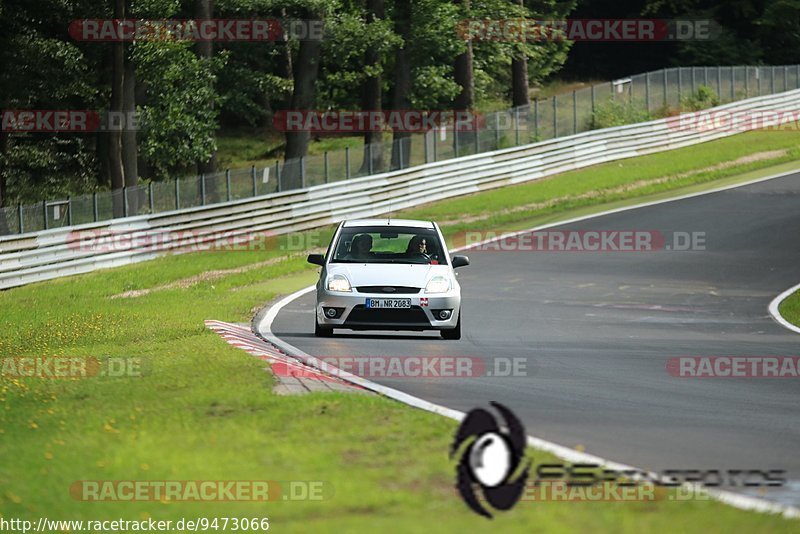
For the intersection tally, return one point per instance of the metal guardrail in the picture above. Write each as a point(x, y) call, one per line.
point(53, 253)
point(640, 97)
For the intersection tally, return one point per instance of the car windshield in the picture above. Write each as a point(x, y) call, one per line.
point(388, 244)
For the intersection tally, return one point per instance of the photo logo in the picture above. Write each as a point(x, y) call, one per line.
point(490, 459)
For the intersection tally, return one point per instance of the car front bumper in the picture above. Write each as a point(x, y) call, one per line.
point(352, 313)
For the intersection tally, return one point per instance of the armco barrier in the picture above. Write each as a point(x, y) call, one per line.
point(48, 254)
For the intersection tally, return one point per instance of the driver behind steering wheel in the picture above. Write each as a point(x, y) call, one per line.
point(418, 246)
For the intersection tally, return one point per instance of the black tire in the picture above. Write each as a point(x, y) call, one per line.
point(321, 331)
point(454, 333)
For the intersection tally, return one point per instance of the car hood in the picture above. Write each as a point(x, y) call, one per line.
point(388, 274)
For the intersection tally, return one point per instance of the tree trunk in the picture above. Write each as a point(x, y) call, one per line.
point(4, 227)
point(519, 78)
point(371, 99)
point(284, 66)
point(401, 141)
point(116, 169)
point(103, 153)
point(142, 165)
point(519, 83)
point(465, 100)
point(129, 146)
point(306, 69)
point(204, 9)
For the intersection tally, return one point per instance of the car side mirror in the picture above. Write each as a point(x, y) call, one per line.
point(460, 261)
point(316, 259)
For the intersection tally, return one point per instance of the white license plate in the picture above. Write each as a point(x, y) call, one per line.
point(388, 303)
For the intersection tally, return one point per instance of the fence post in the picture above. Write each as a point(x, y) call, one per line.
point(747, 82)
point(425, 137)
point(705, 76)
point(177, 194)
point(574, 112)
point(228, 184)
point(20, 219)
point(69, 211)
point(433, 145)
point(612, 95)
point(647, 91)
point(785, 77)
point(694, 82)
point(455, 140)
point(347, 162)
point(303, 172)
point(772, 80)
point(516, 125)
point(400, 150)
point(680, 83)
point(665, 72)
point(95, 211)
point(477, 132)
point(44, 212)
point(497, 131)
point(758, 80)
point(125, 201)
point(719, 82)
point(325, 158)
point(555, 116)
point(255, 182)
point(535, 120)
point(278, 175)
point(203, 189)
point(150, 193)
point(369, 157)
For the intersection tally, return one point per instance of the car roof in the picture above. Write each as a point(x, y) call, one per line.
point(389, 222)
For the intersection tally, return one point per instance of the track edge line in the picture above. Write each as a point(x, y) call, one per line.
point(775, 312)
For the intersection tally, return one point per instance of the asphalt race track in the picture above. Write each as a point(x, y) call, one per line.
point(597, 330)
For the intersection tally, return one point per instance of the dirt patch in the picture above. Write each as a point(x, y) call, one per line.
point(206, 276)
point(639, 184)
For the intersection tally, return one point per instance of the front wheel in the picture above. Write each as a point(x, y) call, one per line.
point(454, 333)
point(321, 331)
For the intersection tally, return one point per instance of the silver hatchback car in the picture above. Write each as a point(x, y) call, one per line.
point(381, 274)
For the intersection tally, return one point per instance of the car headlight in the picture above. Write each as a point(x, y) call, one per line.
point(438, 284)
point(338, 282)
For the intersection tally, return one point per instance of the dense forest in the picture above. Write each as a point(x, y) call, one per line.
point(373, 55)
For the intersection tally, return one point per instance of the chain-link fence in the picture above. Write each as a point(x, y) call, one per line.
point(634, 99)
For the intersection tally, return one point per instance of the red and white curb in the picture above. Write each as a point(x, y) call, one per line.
point(291, 375)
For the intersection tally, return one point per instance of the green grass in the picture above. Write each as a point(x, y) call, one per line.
point(204, 410)
point(790, 309)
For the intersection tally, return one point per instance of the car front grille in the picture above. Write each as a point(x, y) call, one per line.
point(412, 317)
point(389, 290)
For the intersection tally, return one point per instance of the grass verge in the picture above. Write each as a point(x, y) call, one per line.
point(203, 410)
point(790, 309)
